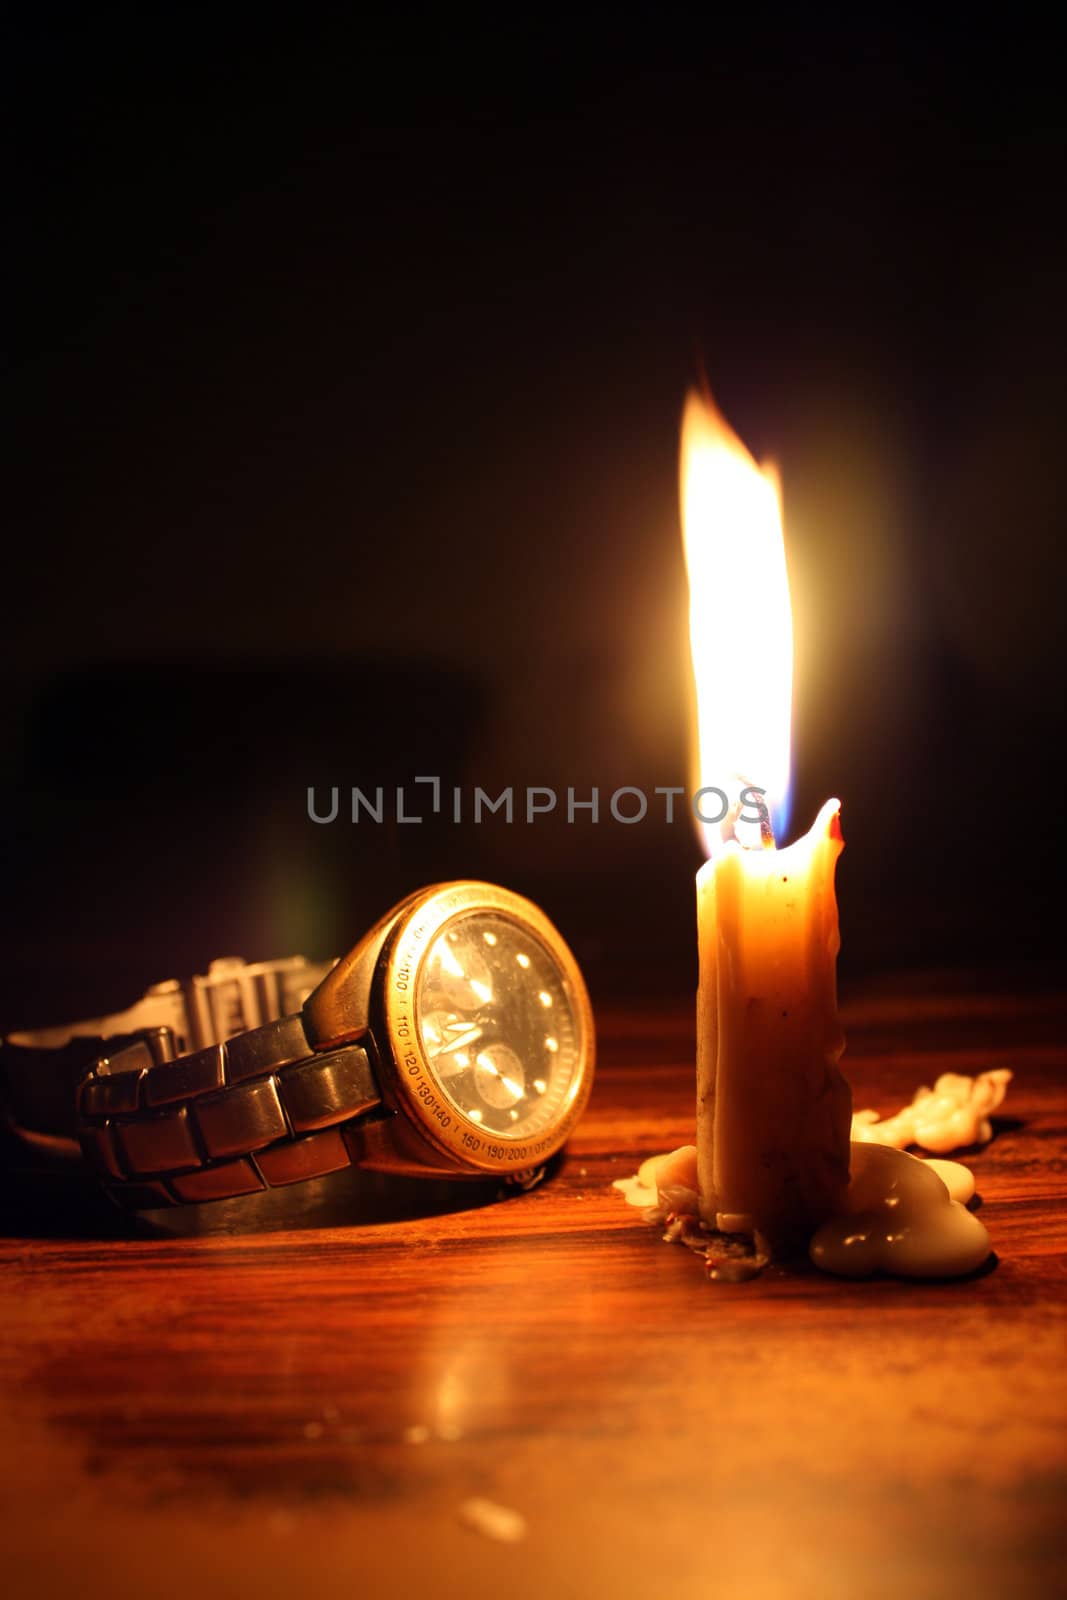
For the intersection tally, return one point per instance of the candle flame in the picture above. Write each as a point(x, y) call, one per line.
point(740, 619)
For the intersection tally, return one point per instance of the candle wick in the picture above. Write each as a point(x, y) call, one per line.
point(766, 832)
point(729, 828)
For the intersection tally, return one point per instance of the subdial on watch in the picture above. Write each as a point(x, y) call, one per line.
point(499, 1076)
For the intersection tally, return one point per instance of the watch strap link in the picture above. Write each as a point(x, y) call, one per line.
point(257, 1111)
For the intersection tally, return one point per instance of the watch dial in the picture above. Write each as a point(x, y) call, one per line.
point(496, 1023)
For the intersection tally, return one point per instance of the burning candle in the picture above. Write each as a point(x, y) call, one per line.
point(773, 1109)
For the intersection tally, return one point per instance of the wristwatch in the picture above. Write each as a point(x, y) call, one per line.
point(455, 1039)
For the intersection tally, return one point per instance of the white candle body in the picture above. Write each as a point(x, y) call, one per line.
point(773, 1109)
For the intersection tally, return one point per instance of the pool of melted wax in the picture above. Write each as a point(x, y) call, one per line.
point(665, 1188)
point(901, 1217)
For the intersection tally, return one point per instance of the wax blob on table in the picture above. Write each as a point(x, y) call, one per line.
point(664, 1182)
point(958, 1179)
point(951, 1115)
point(900, 1218)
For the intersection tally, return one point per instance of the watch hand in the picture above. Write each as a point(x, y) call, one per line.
point(449, 1046)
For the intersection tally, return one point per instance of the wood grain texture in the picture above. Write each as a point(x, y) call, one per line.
point(295, 1393)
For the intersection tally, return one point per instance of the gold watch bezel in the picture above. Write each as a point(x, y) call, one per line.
point(414, 1081)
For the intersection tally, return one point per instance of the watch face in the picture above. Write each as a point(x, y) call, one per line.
point(497, 1023)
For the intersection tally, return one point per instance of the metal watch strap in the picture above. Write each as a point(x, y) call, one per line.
point(161, 1127)
point(258, 1111)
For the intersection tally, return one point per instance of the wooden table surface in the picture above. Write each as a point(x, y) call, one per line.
point(297, 1393)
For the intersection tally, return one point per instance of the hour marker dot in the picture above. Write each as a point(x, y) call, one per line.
point(490, 938)
point(524, 961)
point(475, 1115)
point(545, 998)
point(540, 1085)
point(552, 1044)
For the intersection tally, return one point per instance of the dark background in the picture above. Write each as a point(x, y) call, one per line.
point(347, 361)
